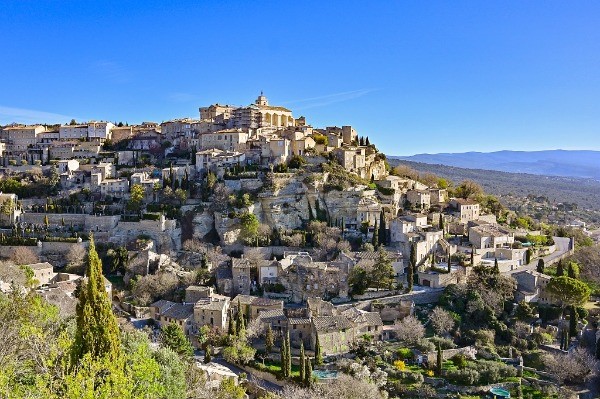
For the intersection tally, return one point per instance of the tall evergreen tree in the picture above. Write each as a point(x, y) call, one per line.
point(308, 373)
point(560, 270)
point(172, 336)
point(97, 329)
point(440, 360)
point(441, 222)
point(302, 362)
point(269, 339)
point(375, 237)
point(573, 322)
point(382, 229)
point(367, 142)
point(283, 356)
point(288, 352)
point(496, 269)
point(472, 257)
point(311, 216)
point(572, 271)
point(528, 256)
point(208, 354)
point(318, 353)
point(231, 328)
point(240, 321)
point(412, 264)
point(540, 266)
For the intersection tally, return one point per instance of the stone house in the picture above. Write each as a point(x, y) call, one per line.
point(420, 199)
point(42, 272)
point(241, 275)
point(164, 312)
point(531, 287)
point(252, 306)
point(335, 333)
point(465, 210)
point(212, 311)
point(487, 235)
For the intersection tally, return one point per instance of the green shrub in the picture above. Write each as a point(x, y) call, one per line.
point(463, 377)
point(404, 353)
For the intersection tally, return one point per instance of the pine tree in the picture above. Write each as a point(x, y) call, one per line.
point(302, 362)
point(97, 331)
point(375, 237)
point(269, 339)
point(172, 336)
point(573, 322)
point(308, 373)
point(207, 354)
point(382, 229)
point(440, 360)
point(540, 266)
point(560, 270)
point(318, 354)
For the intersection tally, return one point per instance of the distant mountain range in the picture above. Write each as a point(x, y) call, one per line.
point(576, 163)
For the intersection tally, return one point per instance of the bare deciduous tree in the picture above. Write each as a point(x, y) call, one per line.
point(441, 321)
point(574, 367)
point(410, 330)
point(24, 256)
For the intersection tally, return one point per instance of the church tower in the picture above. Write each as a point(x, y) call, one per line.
point(261, 100)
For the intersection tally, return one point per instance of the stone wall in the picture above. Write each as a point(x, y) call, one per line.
point(79, 220)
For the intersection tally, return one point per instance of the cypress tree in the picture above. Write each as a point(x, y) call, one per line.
point(528, 256)
point(496, 269)
point(269, 339)
point(302, 362)
point(343, 226)
point(283, 356)
point(449, 265)
point(375, 238)
point(367, 142)
point(571, 272)
point(308, 373)
point(207, 354)
point(382, 229)
point(440, 360)
point(540, 266)
point(97, 329)
point(240, 321)
point(311, 216)
point(288, 352)
point(598, 349)
point(231, 326)
point(410, 274)
point(560, 270)
point(318, 354)
point(573, 322)
point(441, 222)
point(472, 257)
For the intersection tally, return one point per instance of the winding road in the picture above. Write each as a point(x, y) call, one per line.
point(563, 245)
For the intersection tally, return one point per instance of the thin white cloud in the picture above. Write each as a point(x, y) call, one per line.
point(328, 99)
point(112, 71)
point(21, 115)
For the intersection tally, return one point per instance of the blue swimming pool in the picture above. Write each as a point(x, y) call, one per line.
point(325, 374)
point(500, 393)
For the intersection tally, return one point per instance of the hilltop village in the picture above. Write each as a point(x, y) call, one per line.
point(296, 254)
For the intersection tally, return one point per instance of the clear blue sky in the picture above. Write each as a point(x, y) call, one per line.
point(414, 76)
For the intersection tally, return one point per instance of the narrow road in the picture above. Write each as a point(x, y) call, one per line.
point(562, 247)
